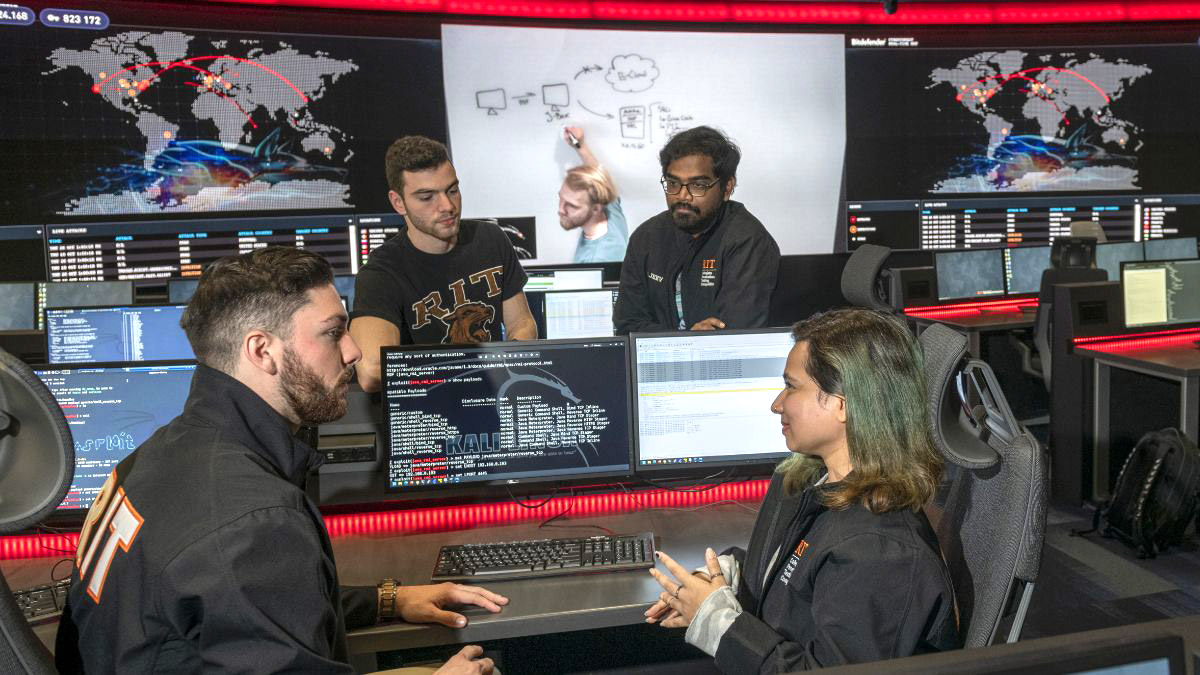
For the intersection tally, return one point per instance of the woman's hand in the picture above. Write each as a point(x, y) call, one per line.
point(683, 595)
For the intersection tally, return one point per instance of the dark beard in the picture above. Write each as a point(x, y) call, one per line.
point(695, 226)
point(311, 401)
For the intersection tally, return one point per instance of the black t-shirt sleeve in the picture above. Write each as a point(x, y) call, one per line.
point(375, 294)
point(514, 274)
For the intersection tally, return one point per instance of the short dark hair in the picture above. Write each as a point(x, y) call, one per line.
point(261, 289)
point(412, 153)
point(705, 141)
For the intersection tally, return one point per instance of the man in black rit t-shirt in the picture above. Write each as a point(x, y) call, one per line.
point(442, 279)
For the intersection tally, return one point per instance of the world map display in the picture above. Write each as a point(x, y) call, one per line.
point(1049, 121)
point(225, 124)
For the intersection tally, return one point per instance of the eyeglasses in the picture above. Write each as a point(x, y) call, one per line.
point(695, 188)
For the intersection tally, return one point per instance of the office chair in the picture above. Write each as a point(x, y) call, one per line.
point(992, 521)
point(1072, 259)
point(37, 462)
point(861, 282)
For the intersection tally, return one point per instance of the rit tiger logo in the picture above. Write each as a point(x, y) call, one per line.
point(466, 321)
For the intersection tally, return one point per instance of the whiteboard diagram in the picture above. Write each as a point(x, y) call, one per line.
point(510, 91)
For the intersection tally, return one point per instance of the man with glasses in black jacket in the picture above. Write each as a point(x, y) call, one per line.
point(705, 263)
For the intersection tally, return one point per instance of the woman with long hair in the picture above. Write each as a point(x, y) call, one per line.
point(842, 565)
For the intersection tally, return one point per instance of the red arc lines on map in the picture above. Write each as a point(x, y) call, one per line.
point(1020, 74)
point(187, 63)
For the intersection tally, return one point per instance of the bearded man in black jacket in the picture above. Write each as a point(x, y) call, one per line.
point(202, 551)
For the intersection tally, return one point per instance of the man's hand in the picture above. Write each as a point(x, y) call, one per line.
point(576, 132)
point(677, 605)
point(424, 604)
point(469, 661)
point(711, 323)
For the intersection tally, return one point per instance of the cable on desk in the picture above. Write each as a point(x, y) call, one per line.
point(46, 529)
point(539, 505)
point(633, 496)
point(706, 488)
point(54, 577)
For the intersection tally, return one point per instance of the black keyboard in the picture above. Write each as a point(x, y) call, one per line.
point(43, 603)
point(544, 558)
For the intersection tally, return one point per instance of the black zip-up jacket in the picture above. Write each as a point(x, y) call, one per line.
point(728, 272)
point(847, 586)
point(218, 560)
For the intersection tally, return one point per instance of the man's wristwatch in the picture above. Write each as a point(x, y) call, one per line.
point(387, 599)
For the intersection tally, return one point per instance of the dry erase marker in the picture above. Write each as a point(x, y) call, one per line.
point(571, 138)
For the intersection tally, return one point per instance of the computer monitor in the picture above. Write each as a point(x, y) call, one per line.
point(1164, 292)
point(572, 314)
point(969, 274)
point(166, 249)
point(1180, 248)
point(180, 291)
point(345, 288)
point(1025, 265)
point(18, 307)
point(111, 410)
point(1148, 653)
point(704, 398)
point(130, 334)
point(1109, 256)
point(89, 294)
point(24, 249)
point(563, 279)
point(506, 413)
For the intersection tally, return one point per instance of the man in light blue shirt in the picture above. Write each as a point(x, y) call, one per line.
point(588, 202)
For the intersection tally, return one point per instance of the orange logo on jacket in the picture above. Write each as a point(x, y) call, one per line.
point(801, 548)
point(709, 264)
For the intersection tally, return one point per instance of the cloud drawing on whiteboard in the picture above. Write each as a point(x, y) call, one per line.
point(631, 73)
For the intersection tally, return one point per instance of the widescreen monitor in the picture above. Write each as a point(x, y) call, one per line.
point(24, 248)
point(130, 334)
point(704, 398)
point(970, 274)
point(572, 314)
point(1025, 265)
point(1180, 248)
point(506, 413)
point(563, 279)
point(88, 294)
point(1109, 256)
point(111, 410)
point(1163, 292)
point(180, 291)
point(18, 306)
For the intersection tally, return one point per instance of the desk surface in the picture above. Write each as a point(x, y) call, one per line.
point(1181, 360)
point(548, 605)
point(982, 320)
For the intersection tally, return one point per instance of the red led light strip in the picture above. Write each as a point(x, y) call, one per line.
point(447, 518)
point(793, 12)
point(971, 307)
point(1162, 338)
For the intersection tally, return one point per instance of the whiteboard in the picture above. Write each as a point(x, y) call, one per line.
point(781, 98)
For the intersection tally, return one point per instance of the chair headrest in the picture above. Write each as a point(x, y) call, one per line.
point(1073, 252)
point(954, 433)
point(860, 277)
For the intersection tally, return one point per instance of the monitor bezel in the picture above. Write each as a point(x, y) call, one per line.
point(132, 293)
point(34, 313)
point(487, 484)
point(543, 327)
point(998, 251)
point(1007, 288)
point(46, 322)
point(1195, 243)
point(1092, 655)
point(68, 514)
point(1142, 326)
point(728, 467)
point(1121, 265)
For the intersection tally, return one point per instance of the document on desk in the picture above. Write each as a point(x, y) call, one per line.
point(1145, 299)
